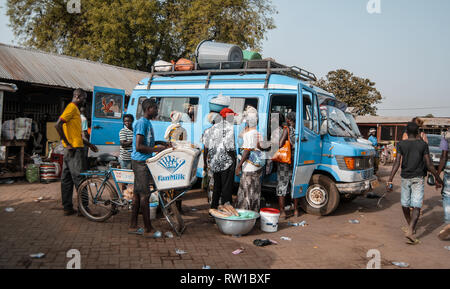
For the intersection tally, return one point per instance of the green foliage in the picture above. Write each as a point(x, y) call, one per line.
point(355, 91)
point(135, 33)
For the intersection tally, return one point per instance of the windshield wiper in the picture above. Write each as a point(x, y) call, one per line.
point(343, 127)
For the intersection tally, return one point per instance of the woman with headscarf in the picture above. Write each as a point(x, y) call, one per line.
point(175, 132)
point(284, 173)
point(249, 194)
point(208, 174)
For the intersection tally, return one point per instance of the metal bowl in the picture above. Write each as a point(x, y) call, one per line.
point(236, 227)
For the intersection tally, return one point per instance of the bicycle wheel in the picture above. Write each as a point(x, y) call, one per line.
point(172, 214)
point(95, 199)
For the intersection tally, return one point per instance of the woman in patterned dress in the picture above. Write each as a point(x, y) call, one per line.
point(284, 173)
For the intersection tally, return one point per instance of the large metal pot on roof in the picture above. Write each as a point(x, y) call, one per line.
point(216, 55)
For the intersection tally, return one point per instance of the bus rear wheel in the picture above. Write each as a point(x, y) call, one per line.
point(322, 197)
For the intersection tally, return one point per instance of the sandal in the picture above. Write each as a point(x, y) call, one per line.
point(139, 231)
point(415, 242)
point(445, 233)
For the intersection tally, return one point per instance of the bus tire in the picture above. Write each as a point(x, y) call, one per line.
point(322, 197)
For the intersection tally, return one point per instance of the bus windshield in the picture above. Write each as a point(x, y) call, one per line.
point(352, 121)
point(338, 123)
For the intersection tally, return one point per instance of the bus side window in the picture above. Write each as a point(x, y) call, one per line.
point(307, 110)
point(108, 105)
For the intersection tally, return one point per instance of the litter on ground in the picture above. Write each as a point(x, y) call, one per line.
point(238, 251)
point(263, 243)
point(9, 210)
point(301, 224)
point(353, 221)
point(286, 239)
point(206, 267)
point(180, 252)
point(169, 235)
point(401, 264)
point(37, 256)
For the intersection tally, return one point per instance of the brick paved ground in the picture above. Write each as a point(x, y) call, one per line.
point(328, 242)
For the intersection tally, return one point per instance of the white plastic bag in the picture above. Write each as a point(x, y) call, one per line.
point(23, 128)
point(221, 100)
point(8, 130)
point(163, 66)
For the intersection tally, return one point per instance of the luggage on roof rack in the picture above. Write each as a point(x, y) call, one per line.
point(267, 67)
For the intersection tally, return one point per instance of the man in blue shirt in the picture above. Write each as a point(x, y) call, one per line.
point(373, 139)
point(143, 149)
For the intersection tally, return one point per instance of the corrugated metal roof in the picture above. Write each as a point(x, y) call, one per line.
point(38, 67)
point(437, 121)
point(381, 119)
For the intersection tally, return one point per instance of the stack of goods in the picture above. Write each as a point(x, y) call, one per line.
point(32, 173)
point(184, 64)
point(128, 193)
point(225, 211)
point(219, 102)
point(23, 128)
point(163, 66)
point(8, 129)
point(49, 172)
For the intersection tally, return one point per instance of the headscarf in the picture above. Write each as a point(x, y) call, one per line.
point(251, 116)
point(175, 116)
point(227, 111)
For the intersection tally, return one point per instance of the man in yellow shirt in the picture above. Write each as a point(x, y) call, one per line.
point(73, 139)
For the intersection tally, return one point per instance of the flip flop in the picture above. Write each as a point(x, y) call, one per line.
point(412, 240)
point(156, 235)
point(139, 231)
point(415, 242)
point(444, 234)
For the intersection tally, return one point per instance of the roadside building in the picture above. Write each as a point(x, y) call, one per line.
point(39, 85)
point(45, 82)
point(392, 128)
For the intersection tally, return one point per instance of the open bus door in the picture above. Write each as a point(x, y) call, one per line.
point(108, 106)
point(308, 143)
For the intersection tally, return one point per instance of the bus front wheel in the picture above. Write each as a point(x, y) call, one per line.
point(322, 197)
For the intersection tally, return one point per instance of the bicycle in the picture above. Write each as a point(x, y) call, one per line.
point(99, 199)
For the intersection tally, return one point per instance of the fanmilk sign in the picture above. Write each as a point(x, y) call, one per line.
point(174, 169)
point(172, 164)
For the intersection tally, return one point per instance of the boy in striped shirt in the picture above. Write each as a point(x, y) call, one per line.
point(126, 142)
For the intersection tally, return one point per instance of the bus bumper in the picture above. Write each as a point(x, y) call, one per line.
point(358, 188)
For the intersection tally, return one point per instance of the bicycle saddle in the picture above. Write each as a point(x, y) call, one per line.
point(106, 158)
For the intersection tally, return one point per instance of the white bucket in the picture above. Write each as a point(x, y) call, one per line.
point(153, 209)
point(269, 220)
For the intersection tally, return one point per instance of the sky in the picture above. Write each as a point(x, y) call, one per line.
point(404, 49)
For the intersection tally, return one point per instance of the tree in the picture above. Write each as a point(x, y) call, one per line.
point(135, 33)
point(355, 91)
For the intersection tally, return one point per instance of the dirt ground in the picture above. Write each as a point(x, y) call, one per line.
point(327, 242)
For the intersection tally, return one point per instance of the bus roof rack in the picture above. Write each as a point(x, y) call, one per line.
point(267, 67)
